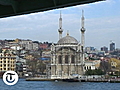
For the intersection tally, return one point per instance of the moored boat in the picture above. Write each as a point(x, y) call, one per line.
point(70, 80)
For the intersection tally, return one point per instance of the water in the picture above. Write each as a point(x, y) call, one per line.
point(51, 85)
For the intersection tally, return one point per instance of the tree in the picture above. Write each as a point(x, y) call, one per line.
point(41, 67)
point(94, 72)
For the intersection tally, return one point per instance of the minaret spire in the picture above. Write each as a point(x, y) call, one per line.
point(60, 30)
point(82, 19)
point(60, 21)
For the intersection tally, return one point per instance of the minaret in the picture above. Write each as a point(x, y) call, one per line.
point(82, 30)
point(82, 36)
point(60, 30)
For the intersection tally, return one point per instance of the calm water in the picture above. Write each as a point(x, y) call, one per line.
point(51, 85)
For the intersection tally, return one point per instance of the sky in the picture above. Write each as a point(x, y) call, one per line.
point(102, 24)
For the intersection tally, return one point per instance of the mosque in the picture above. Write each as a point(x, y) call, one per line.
point(67, 56)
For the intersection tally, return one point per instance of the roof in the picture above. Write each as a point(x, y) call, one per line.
point(19, 7)
point(67, 40)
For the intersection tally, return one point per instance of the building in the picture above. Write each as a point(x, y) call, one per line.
point(104, 49)
point(112, 46)
point(92, 64)
point(43, 46)
point(26, 44)
point(67, 56)
point(7, 60)
point(35, 46)
point(90, 50)
point(89, 65)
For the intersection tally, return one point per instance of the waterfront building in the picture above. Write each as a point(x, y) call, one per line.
point(92, 64)
point(67, 56)
point(21, 67)
point(7, 60)
point(89, 65)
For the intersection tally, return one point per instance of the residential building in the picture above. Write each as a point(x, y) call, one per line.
point(43, 46)
point(7, 60)
point(35, 46)
point(26, 44)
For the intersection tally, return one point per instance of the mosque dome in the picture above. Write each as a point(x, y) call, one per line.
point(67, 40)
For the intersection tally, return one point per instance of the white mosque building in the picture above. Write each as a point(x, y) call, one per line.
point(67, 56)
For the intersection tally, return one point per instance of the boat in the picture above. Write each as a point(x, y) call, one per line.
point(70, 80)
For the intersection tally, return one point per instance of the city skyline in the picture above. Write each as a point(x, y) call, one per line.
point(101, 23)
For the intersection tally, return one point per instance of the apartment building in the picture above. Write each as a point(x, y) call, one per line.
point(7, 60)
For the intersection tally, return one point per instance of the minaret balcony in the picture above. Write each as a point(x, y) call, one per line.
point(82, 29)
point(60, 30)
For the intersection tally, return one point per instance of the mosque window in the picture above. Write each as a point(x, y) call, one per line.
point(4, 61)
point(66, 58)
point(60, 59)
point(90, 67)
point(85, 68)
point(72, 59)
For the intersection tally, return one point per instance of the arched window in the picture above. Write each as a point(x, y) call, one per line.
point(66, 58)
point(72, 59)
point(60, 59)
point(90, 67)
point(85, 67)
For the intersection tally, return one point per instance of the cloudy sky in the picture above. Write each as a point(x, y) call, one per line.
point(102, 23)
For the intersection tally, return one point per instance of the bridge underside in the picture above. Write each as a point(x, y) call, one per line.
point(19, 7)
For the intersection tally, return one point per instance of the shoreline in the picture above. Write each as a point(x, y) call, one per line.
point(80, 80)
